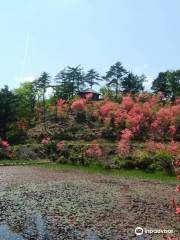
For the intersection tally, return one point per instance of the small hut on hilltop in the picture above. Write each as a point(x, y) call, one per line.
point(95, 94)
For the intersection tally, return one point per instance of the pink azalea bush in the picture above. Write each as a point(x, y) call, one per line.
point(60, 105)
point(127, 102)
point(46, 141)
point(4, 144)
point(123, 145)
point(166, 121)
point(153, 146)
point(144, 115)
point(94, 150)
point(79, 105)
point(5, 151)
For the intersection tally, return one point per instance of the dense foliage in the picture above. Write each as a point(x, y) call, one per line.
point(125, 128)
point(136, 131)
point(29, 103)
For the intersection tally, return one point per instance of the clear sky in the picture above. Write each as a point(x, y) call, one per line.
point(47, 35)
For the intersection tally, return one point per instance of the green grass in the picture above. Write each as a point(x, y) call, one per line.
point(158, 175)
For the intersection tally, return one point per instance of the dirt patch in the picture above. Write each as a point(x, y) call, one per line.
point(39, 203)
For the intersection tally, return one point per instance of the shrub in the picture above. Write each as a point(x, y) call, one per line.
point(79, 105)
point(120, 162)
point(94, 151)
point(164, 160)
point(26, 153)
point(123, 145)
point(166, 122)
point(62, 159)
point(50, 148)
point(127, 102)
point(144, 161)
point(5, 151)
point(60, 146)
point(109, 133)
point(71, 153)
point(45, 141)
point(60, 104)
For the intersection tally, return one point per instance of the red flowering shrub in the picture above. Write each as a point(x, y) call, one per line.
point(126, 134)
point(177, 189)
point(178, 210)
point(45, 141)
point(163, 154)
point(60, 102)
point(94, 151)
point(144, 115)
point(176, 164)
point(79, 105)
point(5, 151)
point(135, 118)
point(177, 101)
point(5, 144)
point(152, 146)
point(155, 99)
point(166, 122)
point(123, 145)
point(119, 117)
point(60, 105)
point(112, 113)
point(107, 108)
point(127, 102)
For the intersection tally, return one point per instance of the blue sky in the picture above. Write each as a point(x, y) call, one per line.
point(47, 35)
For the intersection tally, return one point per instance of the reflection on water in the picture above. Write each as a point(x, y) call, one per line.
point(34, 228)
point(7, 234)
point(91, 235)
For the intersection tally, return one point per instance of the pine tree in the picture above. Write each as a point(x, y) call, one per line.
point(115, 75)
point(92, 78)
point(133, 83)
point(43, 82)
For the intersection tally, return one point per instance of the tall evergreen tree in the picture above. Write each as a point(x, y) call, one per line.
point(64, 85)
point(133, 83)
point(8, 112)
point(168, 83)
point(92, 78)
point(69, 81)
point(160, 84)
point(76, 76)
point(43, 82)
point(115, 76)
point(174, 84)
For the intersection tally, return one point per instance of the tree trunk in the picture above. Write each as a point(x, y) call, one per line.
point(44, 109)
point(117, 88)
